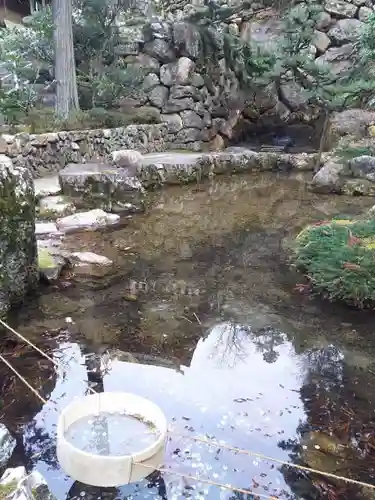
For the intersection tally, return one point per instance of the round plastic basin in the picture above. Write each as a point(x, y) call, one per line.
point(107, 470)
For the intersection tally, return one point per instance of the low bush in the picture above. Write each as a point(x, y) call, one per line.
point(338, 257)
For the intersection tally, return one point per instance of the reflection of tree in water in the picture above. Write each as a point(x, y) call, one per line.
point(266, 340)
point(338, 435)
point(232, 342)
point(230, 345)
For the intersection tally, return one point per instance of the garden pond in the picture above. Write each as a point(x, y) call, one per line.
point(201, 314)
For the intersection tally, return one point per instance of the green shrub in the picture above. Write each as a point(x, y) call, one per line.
point(338, 257)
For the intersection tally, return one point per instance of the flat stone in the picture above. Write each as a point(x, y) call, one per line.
point(170, 168)
point(177, 105)
point(96, 185)
point(7, 445)
point(46, 228)
point(13, 475)
point(47, 186)
point(55, 206)
point(91, 220)
point(340, 9)
point(26, 487)
point(90, 258)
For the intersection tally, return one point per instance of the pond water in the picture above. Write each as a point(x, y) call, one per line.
point(199, 314)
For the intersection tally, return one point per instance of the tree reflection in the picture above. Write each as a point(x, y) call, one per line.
point(267, 339)
point(338, 433)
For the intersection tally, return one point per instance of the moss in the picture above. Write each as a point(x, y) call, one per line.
point(7, 489)
point(45, 259)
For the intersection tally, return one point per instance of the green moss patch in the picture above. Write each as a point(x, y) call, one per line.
point(7, 489)
point(338, 257)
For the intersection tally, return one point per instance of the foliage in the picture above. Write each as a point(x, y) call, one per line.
point(102, 79)
point(338, 259)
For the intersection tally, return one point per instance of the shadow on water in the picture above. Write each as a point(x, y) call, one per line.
point(199, 315)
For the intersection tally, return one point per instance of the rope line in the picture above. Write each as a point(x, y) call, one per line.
point(34, 391)
point(212, 442)
point(208, 481)
point(209, 442)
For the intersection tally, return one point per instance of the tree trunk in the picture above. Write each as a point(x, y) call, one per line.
point(65, 69)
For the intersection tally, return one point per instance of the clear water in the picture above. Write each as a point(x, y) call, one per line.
point(203, 319)
point(112, 434)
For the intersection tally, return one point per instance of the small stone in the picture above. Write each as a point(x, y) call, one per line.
point(90, 258)
point(126, 158)
point(364, 13)
point(13, 475)
point(321, 41)
point(173, 121)
point(55, 206)
point(177, 105)
point(93, 219)
point(7, 445)
point(150, 81)
point(324, 21)
point(217, 143)
point(197, 80)
point(328, 179)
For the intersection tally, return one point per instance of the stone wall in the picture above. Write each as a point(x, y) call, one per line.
point(18, 253)
point(46, 153)
point(203, 109)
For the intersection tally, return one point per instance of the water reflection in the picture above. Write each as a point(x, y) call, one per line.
point(201, 319)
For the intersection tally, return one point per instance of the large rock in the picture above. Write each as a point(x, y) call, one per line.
point(187, 40)
point(18, 251)
point(95, 185)
point(159, 96)
point(7, 445)
point(338, 58)
point(177, 73)
point(160, 50)
point(190, 119)
point(266, 33)
point(363, 167)
point(346, 31)
point(351, 122)
point(293, 95)
point(173, 121)
point(329, 178)
point(339, 8)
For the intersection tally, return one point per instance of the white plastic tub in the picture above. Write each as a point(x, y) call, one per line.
point(108, 471)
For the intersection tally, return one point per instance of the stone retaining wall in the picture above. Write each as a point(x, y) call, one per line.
point(46, 153)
